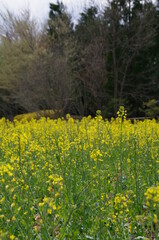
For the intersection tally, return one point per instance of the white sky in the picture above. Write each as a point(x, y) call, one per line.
point(40, 8)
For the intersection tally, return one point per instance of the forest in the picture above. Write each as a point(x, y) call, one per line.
point(109, 58)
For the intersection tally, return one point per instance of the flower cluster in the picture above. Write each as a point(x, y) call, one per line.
point(71, 179)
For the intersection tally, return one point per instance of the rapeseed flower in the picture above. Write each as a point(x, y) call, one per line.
point(91, 177)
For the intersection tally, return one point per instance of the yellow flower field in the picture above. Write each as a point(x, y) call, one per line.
point(88, 179)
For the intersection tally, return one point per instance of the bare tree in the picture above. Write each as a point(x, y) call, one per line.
point(36, 67)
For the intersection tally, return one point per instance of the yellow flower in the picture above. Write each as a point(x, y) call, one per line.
point(49, 189)
point(12, 190)
point(12, 237)
point(49, 211)
point(45, 199)
point(12, 205)
point(14, 196)
point(155, 220)
point(41, 204)
point(13, 218)
point(56, 195)
point(148, 204)
point(19, 209)
point(2, 199)
point(54, 207)
point(31, 209)
point(13, 180)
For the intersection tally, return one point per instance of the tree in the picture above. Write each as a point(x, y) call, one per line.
point(36, 72)
point(19, 40)
point(91, 61)
point(131, 35)
point(108, 59)
point(61, 44)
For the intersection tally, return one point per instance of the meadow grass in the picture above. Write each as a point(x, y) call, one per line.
point(88, 179)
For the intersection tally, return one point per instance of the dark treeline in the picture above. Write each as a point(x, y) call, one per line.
point(109, 58)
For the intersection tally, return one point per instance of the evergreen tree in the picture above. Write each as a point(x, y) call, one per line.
point(131, 35)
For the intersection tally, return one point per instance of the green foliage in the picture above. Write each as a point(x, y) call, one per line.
point(151, 108)
point(37, 115)
point(98, 113)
